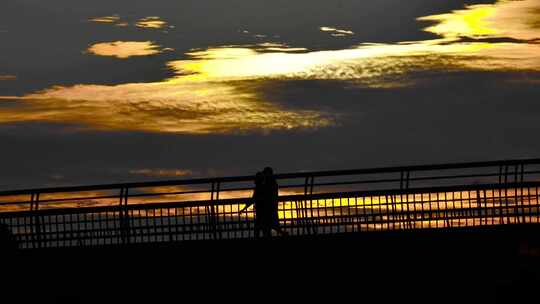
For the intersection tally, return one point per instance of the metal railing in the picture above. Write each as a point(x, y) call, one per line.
point(310, 203)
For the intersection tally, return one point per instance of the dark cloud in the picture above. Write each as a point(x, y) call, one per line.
point(460, 116)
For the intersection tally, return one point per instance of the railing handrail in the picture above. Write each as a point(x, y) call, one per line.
point(282, 198)
point(179, 182)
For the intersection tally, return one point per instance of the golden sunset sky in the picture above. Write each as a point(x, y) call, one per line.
point(114, 93)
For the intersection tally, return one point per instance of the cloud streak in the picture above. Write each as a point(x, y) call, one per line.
point(7, 77)
point(161, 172)
point(336, 32)
point(105, 19)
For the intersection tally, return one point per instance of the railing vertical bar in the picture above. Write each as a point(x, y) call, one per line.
point(445, 212)
point(486, 207)
point(37, 221)
point(506, 194)
point(522, 169)
point(312, 223)
point(215, 217)
point(537, 204)
point(516, 200)
point(430, 210)
point(303, 205)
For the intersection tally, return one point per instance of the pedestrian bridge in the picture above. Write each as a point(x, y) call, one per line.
point(310, 203)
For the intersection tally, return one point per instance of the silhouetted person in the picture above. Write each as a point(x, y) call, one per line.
point(265, 198)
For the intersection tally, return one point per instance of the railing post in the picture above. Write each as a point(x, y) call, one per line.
point(125, 229)
point(215, 211)
point(486, 211)
point(478, 208)
point(303, 215)
point(536, 188)
point(516, 198)
point(35, 221)
point(506, 193)
point(407, 179)
point(404, 185)
point(32, 222)
point(311, 220)
point(390, 201)
point(211, 212)
point(307, 224)
point(501, 219)
point(446, 213)
point(521, 179)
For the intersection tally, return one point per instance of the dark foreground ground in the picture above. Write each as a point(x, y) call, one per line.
point(488, 265)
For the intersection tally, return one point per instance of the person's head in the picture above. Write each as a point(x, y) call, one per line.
point(268, 171)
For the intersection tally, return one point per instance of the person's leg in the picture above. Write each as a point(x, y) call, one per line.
point(267, 232)
point(280, 231)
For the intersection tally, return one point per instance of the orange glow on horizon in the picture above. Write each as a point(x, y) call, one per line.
point(7, 77)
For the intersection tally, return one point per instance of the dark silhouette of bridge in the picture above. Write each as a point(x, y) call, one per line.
point(311, 204)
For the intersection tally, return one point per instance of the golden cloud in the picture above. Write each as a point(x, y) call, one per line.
point(124, 49)
point(151, 22)
point(214, 92)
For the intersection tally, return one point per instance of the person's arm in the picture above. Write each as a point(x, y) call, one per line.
point(247, 206)
point(251, 202)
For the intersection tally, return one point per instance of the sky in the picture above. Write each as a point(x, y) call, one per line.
point(107, 92)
